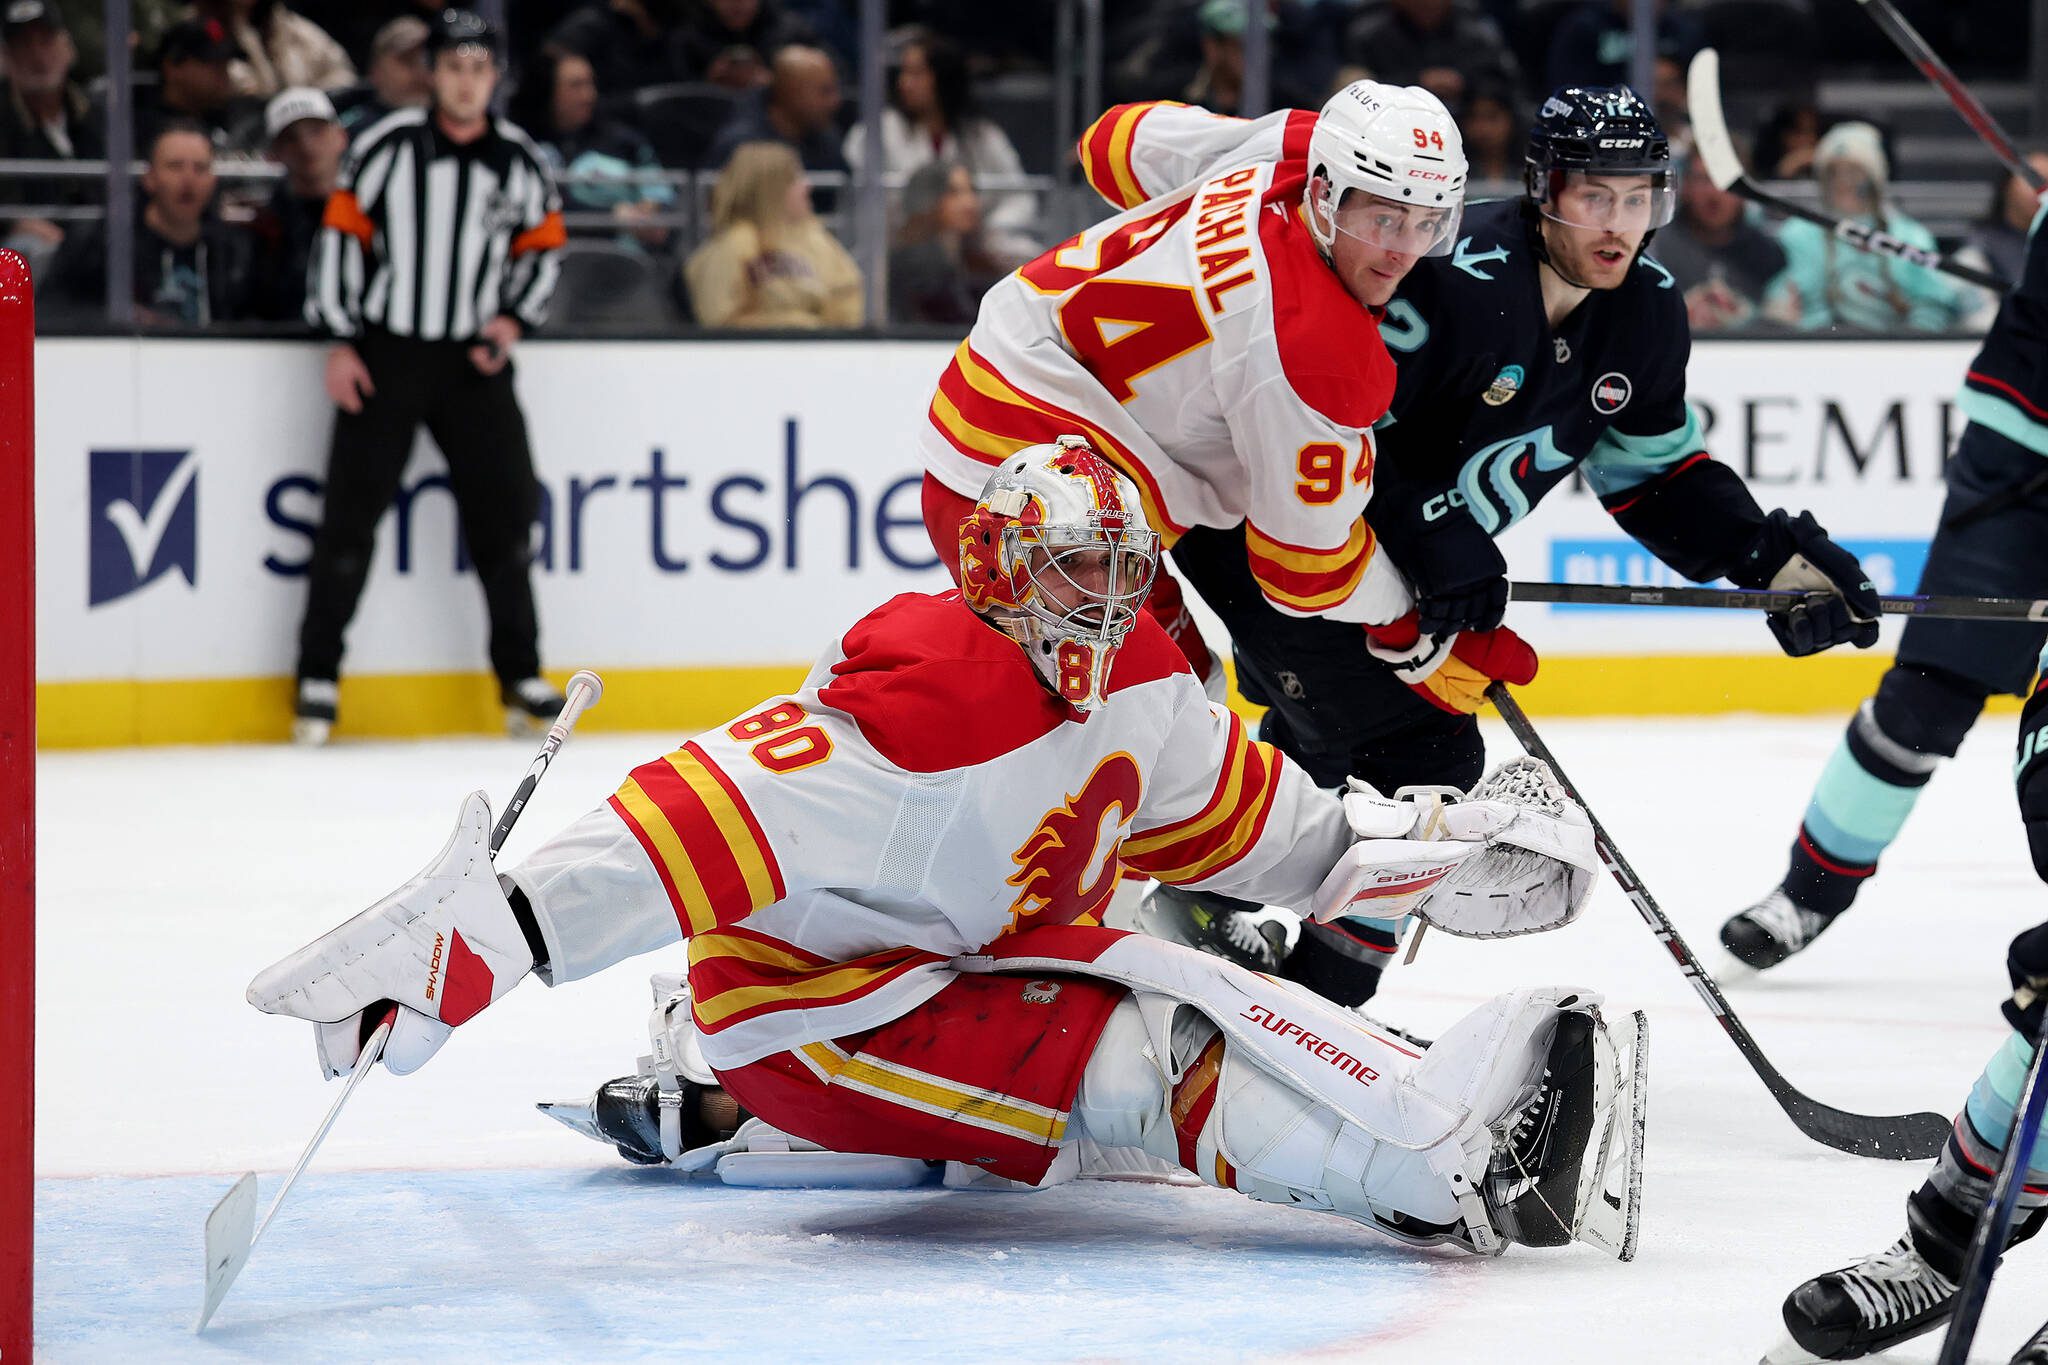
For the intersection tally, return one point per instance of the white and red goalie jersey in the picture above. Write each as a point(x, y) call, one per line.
point(1201, 343)
point(921, 796)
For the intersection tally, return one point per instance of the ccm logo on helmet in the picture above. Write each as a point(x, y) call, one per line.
point(1626, 143)
point(1427, 175)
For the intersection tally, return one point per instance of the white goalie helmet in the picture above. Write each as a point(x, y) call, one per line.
point(1398, 145)
point(1056, 555)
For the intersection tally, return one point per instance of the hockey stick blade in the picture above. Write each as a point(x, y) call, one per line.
point(1892, 1137)
point(228, 1237)
point(1764, 599)
point(1724, 167)
point(1994, 1224)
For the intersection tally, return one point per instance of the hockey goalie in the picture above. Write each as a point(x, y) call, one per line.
point(891, 883)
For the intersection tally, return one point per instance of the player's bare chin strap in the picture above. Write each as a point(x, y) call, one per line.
point(1163, 1079)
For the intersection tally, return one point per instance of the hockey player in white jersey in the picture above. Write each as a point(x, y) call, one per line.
point(891, 882)
point(1218, 342)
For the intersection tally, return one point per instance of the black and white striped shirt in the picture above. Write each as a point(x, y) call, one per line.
point(431, 239)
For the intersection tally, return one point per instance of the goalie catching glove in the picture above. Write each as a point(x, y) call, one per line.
point(1515, 856)
point(441, 947)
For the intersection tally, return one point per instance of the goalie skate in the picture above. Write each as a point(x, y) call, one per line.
point(1221, 926)
point(1567, 1165)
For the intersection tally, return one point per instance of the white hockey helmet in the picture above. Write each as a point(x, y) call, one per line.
point(1057, 556)
point(1398, 144)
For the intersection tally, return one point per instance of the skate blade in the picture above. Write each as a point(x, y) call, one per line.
point(580, 1115)
point(1789, 1352)
point(1613, 1220)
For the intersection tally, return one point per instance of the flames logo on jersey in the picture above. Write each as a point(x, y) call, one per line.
point(1053, 863)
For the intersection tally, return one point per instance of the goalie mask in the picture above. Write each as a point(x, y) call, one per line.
point(1057, 556)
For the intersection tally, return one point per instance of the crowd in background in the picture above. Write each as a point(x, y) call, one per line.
point(243, 109)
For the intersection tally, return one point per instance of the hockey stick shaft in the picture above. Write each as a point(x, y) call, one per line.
point(227, 1243)
point(1908, 40)
point(1987, 1243)
point(1716, 150)
point(1900, 1137)
point(1761, 599)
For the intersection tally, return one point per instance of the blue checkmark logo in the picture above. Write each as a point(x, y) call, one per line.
point(144, 509)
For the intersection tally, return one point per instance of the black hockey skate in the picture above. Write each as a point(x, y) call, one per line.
point(1772, 930)
point(2035, 1352)
point(629, 1113)
point(1567, 1166)
point(1905, 1290)
point(531, 705)
point(1221, 926)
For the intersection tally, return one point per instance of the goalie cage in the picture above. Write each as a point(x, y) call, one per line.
point(17, 805)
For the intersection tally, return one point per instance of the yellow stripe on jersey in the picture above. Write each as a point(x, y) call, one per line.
point(1222, 805)
point(740, 841)
point(947, 1099)
point(667, 848)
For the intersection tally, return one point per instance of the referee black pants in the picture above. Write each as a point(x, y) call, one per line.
point(475, 420)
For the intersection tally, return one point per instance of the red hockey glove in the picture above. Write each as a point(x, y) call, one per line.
point(1453, 672)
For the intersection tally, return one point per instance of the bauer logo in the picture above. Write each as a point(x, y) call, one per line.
point(144, 510)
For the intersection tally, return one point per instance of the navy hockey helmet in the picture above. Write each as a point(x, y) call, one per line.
point(453, 28)
point(1591, 132)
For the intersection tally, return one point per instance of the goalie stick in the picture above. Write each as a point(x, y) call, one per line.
point(231, 1228)
point(1894, 1137)
point(1717, 153)
point(1995, 1222)
point(1908, 40)
point(1764, 599)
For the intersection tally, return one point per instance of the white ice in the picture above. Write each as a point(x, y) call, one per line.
point(446, 1220)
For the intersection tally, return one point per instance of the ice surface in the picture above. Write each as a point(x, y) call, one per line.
point(447, 1220)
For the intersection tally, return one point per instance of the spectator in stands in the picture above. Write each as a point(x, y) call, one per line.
point(1446, 46)
point(1784, 145)
point(630, 45)
point(800, 109)
point(276, 48)
point(1830, 284)
point(44, 116)
point(733, 42)
point(930, 117)
point(193, 82)
point(1166, 44)
point(399, 76)
point(1669, 99)
point(1493, 135)
point(939, 264)
point(1723, 260)
point(1998, 241)
point(769, 261)
point(191, 270)
point(1592, 44)
point(1218, 84)
point(557, 105)
point(307, 139)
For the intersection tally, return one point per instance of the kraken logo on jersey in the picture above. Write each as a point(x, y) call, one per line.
point(1490, 482)
point(1504, 387)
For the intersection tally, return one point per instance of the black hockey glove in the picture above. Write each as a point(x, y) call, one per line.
point(2027, 963)
point(1794, 554)
point(1457, 573)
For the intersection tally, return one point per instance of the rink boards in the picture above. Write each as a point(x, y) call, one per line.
point(714, 512)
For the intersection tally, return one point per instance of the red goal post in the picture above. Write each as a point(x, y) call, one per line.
point(17, 806)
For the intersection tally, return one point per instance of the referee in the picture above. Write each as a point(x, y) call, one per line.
point(437, 253)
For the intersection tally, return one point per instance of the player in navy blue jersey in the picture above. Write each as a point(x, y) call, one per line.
point(1545, 343)
point(1992, 542)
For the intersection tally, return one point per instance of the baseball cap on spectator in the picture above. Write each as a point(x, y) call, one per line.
point(291, 106)
point(20, 14)
point(461, 28)
point(1225, 18)
point(401, 36)
point(196, 40)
